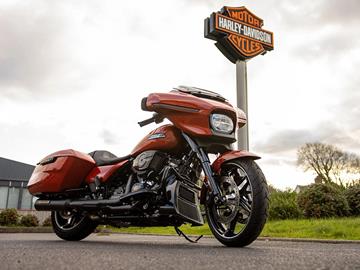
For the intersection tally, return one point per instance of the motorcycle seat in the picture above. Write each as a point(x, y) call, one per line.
point(103, 158)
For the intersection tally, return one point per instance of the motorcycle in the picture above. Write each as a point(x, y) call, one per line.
point(167, 179)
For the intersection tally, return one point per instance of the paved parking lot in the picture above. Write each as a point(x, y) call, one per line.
point(121, 251)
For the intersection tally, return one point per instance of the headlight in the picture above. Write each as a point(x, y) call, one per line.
point(221, 123)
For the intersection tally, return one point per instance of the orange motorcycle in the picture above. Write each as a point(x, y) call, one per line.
point(165, 179)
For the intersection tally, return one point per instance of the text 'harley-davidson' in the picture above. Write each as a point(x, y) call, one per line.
point(165, 179)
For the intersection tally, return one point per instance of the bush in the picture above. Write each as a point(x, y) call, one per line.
point(47, 222)
point(352, 195)
point(29, 221)
point(9, 217)
point(283, 205)
point(323, 200)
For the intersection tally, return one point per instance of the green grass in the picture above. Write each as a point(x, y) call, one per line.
point(334, 228)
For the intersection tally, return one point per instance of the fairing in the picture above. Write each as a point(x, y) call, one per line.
point(190, 113)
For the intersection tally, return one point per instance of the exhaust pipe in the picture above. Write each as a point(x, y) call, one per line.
point(67, 204)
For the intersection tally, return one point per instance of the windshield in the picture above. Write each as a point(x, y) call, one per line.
point(198, 92)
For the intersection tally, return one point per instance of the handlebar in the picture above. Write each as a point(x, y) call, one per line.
point(157, 118)
point(146, 122)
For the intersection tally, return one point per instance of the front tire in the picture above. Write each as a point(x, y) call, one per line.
point(240, 219)
point(71, 225)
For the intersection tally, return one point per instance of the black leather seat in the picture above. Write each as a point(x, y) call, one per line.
point(103, 158)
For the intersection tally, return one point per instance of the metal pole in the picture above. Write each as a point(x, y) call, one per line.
point(242, 103)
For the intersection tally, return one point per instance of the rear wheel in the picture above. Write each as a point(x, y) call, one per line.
point(239, 220)
point(72, 225)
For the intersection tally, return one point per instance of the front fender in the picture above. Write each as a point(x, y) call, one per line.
point(216, 166)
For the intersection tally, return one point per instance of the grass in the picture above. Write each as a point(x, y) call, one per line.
point(332, 228)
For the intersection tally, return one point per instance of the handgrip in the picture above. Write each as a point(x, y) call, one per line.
point(146, 122)
point(157, 118)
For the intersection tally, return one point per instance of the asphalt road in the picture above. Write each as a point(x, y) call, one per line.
point(119, 251)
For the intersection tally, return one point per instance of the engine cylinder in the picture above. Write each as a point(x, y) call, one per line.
point(149, 161)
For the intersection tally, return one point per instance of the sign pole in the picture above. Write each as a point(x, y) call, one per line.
point(239, 36)
point(242, 103)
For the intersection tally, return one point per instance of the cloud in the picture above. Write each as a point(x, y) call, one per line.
point(28, 142)
point(285, 140)
point(93, 61)
point(345, 115)
point(278, 161)
point(337, 43)
point(342, 12)
point(289, 140)
point(109, 137)
point(340, 124)
point(41, 48)
point(28, 46)
point(311, 15)
point(319, 29)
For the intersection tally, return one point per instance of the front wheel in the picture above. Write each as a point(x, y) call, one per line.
point(240, 218)
point(72, 225)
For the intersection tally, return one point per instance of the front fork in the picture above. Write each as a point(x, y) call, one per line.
point(205, 162)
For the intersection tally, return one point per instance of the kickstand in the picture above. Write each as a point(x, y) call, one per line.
point(181, 233)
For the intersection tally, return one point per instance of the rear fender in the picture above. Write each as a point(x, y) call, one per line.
point(216, 166)
point(225, 157)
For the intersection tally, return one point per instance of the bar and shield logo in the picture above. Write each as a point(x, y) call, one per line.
point(238, 33)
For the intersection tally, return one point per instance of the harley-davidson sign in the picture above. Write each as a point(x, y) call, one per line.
point(238, 33)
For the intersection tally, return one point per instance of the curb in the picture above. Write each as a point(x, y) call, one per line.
point(325, 241)
point(274, 239)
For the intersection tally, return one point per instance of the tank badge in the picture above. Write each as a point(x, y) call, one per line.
point(156, 136)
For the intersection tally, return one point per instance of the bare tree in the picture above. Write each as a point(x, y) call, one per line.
point(328, 161)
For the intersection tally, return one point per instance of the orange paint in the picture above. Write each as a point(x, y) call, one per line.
point(191, 113)
point(68, 171)
point(171, 141)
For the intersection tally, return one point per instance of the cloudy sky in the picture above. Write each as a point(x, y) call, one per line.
point(72, 75)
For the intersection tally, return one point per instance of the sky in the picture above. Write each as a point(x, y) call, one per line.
point(73, 73)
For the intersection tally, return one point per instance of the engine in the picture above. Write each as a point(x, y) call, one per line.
point(169, 181)
point(148, 166)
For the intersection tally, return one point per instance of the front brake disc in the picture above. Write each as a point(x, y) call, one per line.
point(227, 211)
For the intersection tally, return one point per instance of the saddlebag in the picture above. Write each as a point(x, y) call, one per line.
point(60, 171)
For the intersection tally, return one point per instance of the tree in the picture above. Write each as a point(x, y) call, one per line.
point(327, 161)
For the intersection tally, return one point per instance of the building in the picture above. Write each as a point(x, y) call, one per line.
point(300, 188)
point(14, 177)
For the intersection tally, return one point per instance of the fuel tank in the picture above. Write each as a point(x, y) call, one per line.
point(166, 138)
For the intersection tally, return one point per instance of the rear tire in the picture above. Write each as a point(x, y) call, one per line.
point(72, 226)
point(240, 220)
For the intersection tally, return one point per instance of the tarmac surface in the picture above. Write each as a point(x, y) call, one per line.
point(126, 251)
